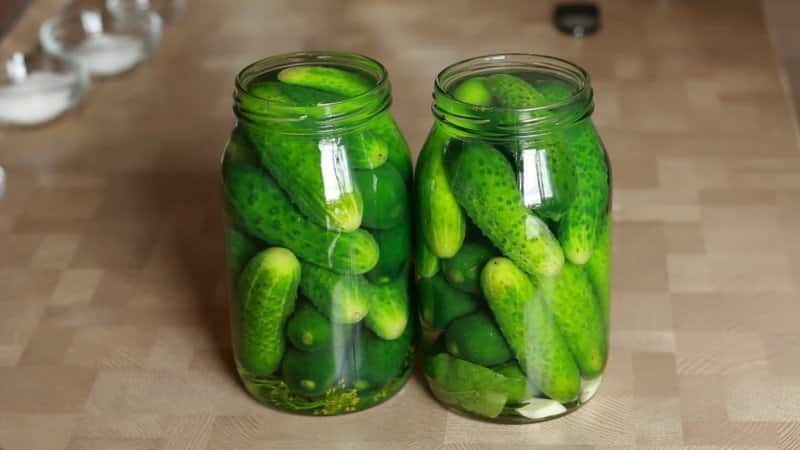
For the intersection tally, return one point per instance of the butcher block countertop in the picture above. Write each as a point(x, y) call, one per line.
point(113, 318)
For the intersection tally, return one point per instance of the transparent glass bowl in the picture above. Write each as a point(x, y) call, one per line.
point(105, 44)
point(169, 10)
point(36, 88)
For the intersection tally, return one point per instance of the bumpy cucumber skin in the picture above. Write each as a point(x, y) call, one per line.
point(463, 270)
point(307, 329)
point(240, 248)
point(550, 189)
point(313, 175)
point(485, 186)
point(385, 197)
point(309, 373)
point(426, 263)
point(530, 330)
point(443, 221)
point(599, 269)
point(385, 127)
point(520, 388)
point(240, 148)
point(329, 79)
point(554, 91)
point(441, 303)
point(395, 251)
point(578, 229)
point(514, 92)
point(474, 92)
point(388, 308)
point(341, 298)
point(267, 290)
point(378, 361)
point(261, 208)
point(571, 299)
point(365, 150)
point(476, 339)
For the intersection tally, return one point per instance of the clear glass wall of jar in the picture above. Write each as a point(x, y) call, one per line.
point(514, 238)
point(316, 178)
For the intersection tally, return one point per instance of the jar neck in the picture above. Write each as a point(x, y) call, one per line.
point(334, 116)
point(504, 122)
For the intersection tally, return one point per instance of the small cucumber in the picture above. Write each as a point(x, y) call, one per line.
point(571, 299)
point(520, 387)
point(426, 263)
point(310, 373)
point(324, 78)
point(475, 338)
point(514, 92)
point(443, 221)
point(578, 229)
point(530, 330)
point(240, 248)
point(599, 269)
point(485, 186)
point(463, 270)
point(546, 175)
point(389, 308)
point(365, 150)
point(385, 197)
point(441, 303)
point(307, 329)
point(378, 361)
point(313, 176)
point(395, 251)
point(474, 92)
point(267, 290)
point(261, 208)
point(341, 298)
point(385, 127)
point(240, 148)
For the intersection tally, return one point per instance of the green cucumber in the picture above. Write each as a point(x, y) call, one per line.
point(303, 96)
point(308, 330)
point(313, 177)
point(378, 361)
point(258, 92)
point(385, 197)
point(546, 175)
point(341, 298)
point(240, 248)
point(267, 290)
point(365, 150)
point(529, 329)
point(485, 186)
point(514, 92)
point(475, 338)
point(310, 373)
point(520, 387)
point(570, 297)
point(555, 90)
point(441, 303)
point(389, 308)
point(426, 263)
point(599, 269)
point(578, 229)
point(395, 251)
point(463, 270)
point(324, 78)
point(240, 148)
point(443, 221)
point(385, 127)
point(474, 92)
point(261, 208)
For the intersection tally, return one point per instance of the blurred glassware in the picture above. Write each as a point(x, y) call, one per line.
point(169, 10)
point(2, 182)
point(106, 44)
point(37, 88)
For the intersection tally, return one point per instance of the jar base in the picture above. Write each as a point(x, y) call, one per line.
point(274, 393)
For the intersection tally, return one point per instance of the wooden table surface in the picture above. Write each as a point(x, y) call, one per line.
point(113, 327)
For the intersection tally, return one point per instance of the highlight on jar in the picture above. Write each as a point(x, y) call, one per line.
point(316, 181)
point(512, 201)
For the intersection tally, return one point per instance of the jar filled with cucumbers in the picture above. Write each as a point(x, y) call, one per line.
point(316, 181)
point(512, 198)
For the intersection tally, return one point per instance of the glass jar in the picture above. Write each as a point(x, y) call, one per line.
point(316, 177)
point(513, 249)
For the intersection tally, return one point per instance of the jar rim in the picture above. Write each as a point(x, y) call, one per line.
point(329, 114)
point(569, 109)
